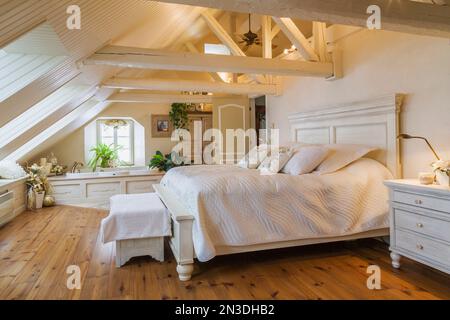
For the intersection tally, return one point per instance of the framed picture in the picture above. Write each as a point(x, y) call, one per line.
point(161, 126)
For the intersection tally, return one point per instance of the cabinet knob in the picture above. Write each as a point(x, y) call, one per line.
point(418, 201)
point(420, 247)
point(419, 225)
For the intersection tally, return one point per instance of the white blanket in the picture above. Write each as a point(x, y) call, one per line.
point(135, 216)
point(237, 207)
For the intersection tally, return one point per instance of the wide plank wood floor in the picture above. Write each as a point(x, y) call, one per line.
point(37, 247)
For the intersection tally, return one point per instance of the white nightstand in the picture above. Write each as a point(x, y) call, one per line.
point(420, 223)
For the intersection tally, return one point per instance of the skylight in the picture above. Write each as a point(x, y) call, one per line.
point(219, 49)
point(87, 110)
point(28, 58)
point(39, 112)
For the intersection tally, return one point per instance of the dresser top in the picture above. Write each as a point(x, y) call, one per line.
point(415, 185)
point(9, 183)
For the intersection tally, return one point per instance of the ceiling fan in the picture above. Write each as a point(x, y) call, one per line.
point(250, 38)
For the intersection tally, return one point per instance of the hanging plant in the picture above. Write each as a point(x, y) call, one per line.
point(179, 115)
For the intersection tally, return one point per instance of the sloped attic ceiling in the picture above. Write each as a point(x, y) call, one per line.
point(103, 21)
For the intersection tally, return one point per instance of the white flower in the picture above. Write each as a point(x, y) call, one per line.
point(442, 165)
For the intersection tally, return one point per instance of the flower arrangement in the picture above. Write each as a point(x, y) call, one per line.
point(58, 170)
point(38, 185)
point(442, 166)
point(37, 179)
point(442, 170)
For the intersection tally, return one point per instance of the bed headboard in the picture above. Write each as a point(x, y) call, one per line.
point(374, 122)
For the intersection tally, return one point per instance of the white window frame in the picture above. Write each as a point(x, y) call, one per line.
point(99, 122)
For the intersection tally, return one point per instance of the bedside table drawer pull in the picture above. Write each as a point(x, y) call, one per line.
point(420, 247)
point(418, 202)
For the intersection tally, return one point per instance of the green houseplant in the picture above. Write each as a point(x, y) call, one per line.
point(165, 162)
point(105, 156)
point(179, 115)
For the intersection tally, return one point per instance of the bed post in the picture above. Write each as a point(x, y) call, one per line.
point(181, 242)
point(182, 246)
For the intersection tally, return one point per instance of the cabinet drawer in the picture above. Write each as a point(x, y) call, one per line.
point(67, 191)
point(136, 187)
point(424, 247)
point(431, 227)
point(422, 201)
point(102, 190)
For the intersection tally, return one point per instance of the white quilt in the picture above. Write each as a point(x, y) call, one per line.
point(236, 207)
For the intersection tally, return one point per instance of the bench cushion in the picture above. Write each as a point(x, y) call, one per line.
point(135, 216)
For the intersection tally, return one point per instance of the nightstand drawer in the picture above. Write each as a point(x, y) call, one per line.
point(431, 227)
point(422, 201)
point(422, 246)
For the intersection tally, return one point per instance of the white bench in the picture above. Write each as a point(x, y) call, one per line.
point(137, 223)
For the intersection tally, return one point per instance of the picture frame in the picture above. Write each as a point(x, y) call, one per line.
point(161, 126)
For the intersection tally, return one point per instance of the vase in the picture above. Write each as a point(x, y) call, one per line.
point(39, 199)
point(443, 179)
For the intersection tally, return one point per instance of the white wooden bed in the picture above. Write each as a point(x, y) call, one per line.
point(373, 122)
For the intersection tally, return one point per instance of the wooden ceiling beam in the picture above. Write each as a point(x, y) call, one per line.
point(193, 49)
point(133, 97)
point(191, 86)
point(297, 38)
point(226, 39)
point(397, 15)
point(129, 57)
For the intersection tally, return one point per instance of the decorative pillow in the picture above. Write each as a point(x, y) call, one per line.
point(341, 155)
point(11, 170)
point(306, 160)
point(254, 158)
point(276, 162)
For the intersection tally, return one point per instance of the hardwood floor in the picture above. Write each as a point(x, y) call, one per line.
point(37, 247)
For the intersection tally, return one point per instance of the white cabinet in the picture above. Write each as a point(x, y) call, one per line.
point(420, 223)
point(96, 192)
point(12, 199)
point(136, 187)
point(102, 190)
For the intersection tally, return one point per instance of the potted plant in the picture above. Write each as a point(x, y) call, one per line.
point(105, 156)
point(179, 115)
point(38, 186)
point(165, 162)
point(442, 170)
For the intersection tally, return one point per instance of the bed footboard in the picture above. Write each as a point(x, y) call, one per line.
point(181, 242)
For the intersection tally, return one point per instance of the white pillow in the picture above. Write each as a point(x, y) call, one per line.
point(341, 155)
point(305, 160)
point(254, 158)
point(11, 170)
point(276, 162)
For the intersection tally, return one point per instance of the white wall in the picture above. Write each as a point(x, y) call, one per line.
point(377, 63)
point(72, 148)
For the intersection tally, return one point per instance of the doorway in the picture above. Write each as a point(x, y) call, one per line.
point(260, 119)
